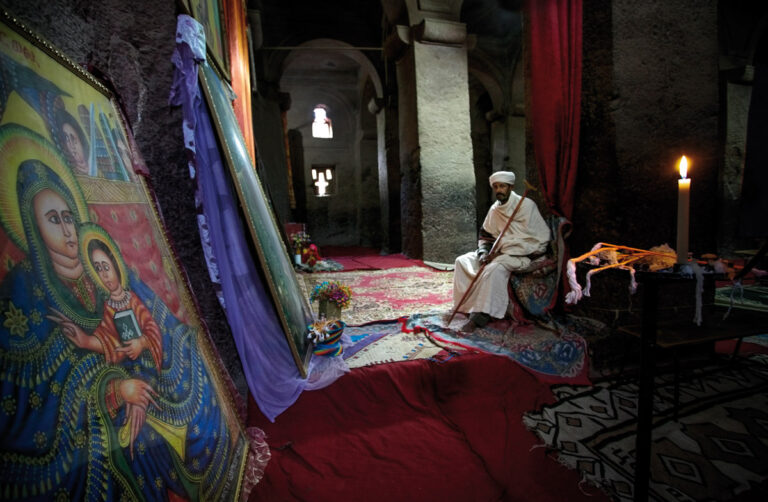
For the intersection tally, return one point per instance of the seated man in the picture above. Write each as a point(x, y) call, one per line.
point(526, 238)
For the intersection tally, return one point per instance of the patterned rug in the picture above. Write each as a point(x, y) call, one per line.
point(385, 343)
point(716, 450)
point(752, 297)
point(552, 356)
point(757, 340)
point(382, 295)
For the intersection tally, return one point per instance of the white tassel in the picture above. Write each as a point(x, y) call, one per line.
point(699, 290)
point(574, 295)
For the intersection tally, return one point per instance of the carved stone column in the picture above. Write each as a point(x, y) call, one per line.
point(438, 182)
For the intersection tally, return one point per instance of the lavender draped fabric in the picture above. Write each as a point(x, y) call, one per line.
point(272, 376)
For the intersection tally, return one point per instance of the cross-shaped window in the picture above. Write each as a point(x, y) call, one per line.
point(323, 180)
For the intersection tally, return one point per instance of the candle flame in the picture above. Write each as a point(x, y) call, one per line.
point(683, 167)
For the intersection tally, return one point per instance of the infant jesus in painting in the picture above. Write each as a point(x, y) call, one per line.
point(127, 327)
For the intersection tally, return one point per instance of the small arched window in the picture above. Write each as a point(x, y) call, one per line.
point(321, 126)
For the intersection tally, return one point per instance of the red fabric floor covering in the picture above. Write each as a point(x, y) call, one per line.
point(334, 251)
point(416, 431)
point(727, 346)
point(362, 258)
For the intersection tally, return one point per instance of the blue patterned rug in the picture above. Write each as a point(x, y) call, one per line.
point(381, 343)
point(554, 357)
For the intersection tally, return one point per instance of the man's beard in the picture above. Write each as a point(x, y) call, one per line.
point(502, 198)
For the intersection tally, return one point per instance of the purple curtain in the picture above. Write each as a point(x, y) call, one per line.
point(267, 361)
point(270, 370)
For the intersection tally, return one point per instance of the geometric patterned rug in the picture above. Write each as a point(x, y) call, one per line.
point(717, 449)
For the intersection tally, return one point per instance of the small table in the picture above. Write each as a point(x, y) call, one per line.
point(670, 334)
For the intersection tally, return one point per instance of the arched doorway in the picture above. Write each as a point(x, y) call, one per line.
point(345, 211)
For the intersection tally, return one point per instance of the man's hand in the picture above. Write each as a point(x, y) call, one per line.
point(483, 256)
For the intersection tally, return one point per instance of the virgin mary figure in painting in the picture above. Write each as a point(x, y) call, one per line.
point(65, 431)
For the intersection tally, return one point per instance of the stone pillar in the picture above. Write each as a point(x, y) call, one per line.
point(737, 98)
point(516, 159)
point(392, 173)
point(438, 182)
point(376, 108)
point(368, 209)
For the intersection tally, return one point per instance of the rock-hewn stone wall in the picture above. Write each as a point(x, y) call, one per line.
point(650, 96)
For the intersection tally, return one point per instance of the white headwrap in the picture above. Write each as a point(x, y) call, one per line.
point(507, 177)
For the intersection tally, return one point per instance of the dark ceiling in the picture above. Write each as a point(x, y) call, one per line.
point(360, 22)
point(287, 24)
point(291, 22)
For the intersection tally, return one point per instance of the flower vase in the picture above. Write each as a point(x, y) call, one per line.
point(330, 310)
point(297, 259)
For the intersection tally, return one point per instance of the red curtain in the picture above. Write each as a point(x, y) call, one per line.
point(554, 52)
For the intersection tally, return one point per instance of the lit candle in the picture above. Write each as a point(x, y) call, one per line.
point(683, 204)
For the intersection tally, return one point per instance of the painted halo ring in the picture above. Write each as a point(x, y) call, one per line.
point(17, 144)
point(91, 231)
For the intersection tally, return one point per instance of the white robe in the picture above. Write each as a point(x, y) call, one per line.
point(527, 234)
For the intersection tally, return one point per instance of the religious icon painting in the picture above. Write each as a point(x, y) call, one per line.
point(110, 386)
point(210, 14)
point(292, 306)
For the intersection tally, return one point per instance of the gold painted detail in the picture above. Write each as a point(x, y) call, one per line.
point(15, 320)
point(175, 435)
point(102, 191)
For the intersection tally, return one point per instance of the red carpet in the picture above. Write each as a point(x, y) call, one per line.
point(416, 431)
point(362, 258)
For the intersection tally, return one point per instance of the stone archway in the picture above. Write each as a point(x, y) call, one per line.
point(341, 77)
point(498, 123)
